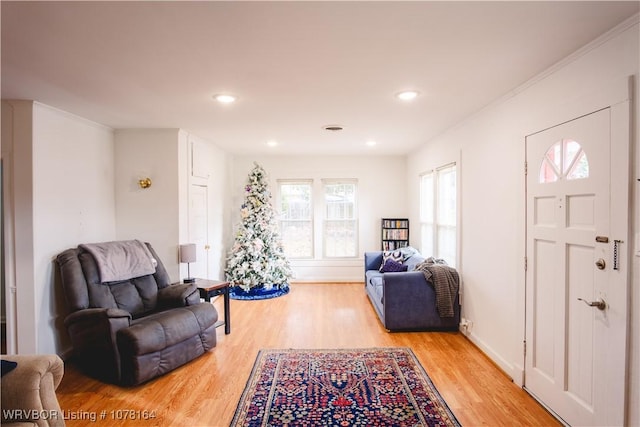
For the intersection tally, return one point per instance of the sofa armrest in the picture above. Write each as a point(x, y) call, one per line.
point(372, 260)
point(408, 298)
point(28, 391)
point(178, 295)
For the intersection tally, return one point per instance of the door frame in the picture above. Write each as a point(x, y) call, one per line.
point(202, 258)
point(618, 97)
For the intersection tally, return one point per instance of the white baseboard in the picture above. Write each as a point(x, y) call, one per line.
point(515, 373)
point(518, 374)
point(325, 279)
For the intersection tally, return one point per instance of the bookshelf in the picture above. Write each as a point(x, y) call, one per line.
point(395, 233)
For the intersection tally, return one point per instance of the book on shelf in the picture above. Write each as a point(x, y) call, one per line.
point(392, 245)
point(395, 223)
point(395, 234)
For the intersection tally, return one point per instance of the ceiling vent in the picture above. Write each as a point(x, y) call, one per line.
point(333, 128)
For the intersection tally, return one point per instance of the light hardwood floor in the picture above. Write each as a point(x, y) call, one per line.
point(329, 315)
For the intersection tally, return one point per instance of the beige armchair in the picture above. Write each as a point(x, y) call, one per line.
point(29, 391)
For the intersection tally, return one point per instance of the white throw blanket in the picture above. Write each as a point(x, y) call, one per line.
point(121, 260)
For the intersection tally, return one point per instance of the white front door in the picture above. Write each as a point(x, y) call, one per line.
point(575, 292)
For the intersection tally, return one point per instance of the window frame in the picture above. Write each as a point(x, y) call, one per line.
point(427, 219)
point(436, 223)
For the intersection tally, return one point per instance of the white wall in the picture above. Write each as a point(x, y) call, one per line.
point(492, 195)
point(63, 193)
point(381, 193)
point(152, 214)
point(73, 203)
point(160, 214)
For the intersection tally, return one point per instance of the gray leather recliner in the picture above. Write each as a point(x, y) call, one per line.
point(131, 331)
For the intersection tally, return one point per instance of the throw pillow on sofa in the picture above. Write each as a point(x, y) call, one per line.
point(391, 255)
point(391, 266)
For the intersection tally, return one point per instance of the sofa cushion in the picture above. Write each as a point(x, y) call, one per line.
point(375, 287)
point(373, 277)
point(412, 261)
point(391, 266)
point(407, 252)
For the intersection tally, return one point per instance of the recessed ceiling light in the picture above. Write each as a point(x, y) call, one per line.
point(225, 98)
point(408, 95)
point(272, 143)
point(371, 143)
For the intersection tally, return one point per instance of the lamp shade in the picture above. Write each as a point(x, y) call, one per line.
point(188, 252)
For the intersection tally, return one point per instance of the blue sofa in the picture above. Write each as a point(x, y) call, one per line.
point(405, 301)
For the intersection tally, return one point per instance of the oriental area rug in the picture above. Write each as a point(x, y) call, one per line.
point(358, 387)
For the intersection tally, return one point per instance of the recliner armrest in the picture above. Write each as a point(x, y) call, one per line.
point(178, 295)
point(95, 314)
point(93, 334)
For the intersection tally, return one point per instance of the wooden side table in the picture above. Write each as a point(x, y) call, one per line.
point(211, 288)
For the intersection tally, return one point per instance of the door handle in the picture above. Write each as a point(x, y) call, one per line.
point(600, 264)
point(599, 303)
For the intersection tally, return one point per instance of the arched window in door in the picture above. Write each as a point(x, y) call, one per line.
point(564, 160)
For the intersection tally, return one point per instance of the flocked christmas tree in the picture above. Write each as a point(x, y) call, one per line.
point(257, 259)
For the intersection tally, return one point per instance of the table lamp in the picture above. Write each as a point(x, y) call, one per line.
point(188, 255)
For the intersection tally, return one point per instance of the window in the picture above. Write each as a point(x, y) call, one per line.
point(296, 223)
point(564, 159)
point(438, 213)
point(334, 230)
point(340, 219)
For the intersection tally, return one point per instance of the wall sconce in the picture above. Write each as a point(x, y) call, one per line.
point(144, 183)
point(188, 255)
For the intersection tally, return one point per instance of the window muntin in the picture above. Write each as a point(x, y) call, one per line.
point(340, 228)
point(296, 220)
point(564, 160)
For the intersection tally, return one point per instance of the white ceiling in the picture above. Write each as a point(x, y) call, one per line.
point(295, 66)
